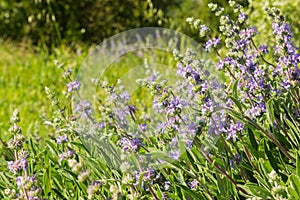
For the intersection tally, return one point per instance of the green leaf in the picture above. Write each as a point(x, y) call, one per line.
point(60, 194)
point(188, 191)
point(292, 192)
point(47, 175)
point(252, 139)
point(295, 183)
point(298, 164)
point(271, 158)
point(140, 181)
point(270, 112)
point(31, 146)
point(294, 130)
point(237, 103)
point(51, 146)
point(80, 146)
point(234, 89)
point(258, 191)
point(172, 195)
point(222, 186)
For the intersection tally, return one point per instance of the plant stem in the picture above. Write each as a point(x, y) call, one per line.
point(253, 43)
point(249, 158)
point(152, 192)
point(269, 135)
point(225, 173)
point(285, 133)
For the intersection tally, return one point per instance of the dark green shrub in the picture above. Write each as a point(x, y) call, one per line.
point(49, 22)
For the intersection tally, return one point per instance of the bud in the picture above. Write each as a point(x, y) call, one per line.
point(15, 129)
point(83, 175)
point(10, 193)
point(15, 117)
point(213, 6)
point(93, 188)
point(231, 3)
point(16, 142)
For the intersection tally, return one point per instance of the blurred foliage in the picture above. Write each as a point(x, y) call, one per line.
point(50, 22)
point(199, 9)
point(25, 71)
point(290, 10)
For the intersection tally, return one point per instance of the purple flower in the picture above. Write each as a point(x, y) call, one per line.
point(66, 154)
point(17, 165)
point(135, 144)
point(24, 163)
point(242, 17)
point(203, 27)
point(181, 71)
point(234, 129)
point(196, 76)
point(75, 85)
point(167, 185)
point(61, 139)
point(285, 85)
point(189, 143)
point(207, 107)
point(248, 33)
point(241, 45)
point(162, 126)
point(230, 62)
point(174, 142)
point(142, 127)
point(282, 29)
point(193, 184)
point(132, 108)
point(132, 144)
point(174, 154)
point(99, 126)
point(208, 45)
point(220, 65)
point(84, 108)
point(254, 112)
point(259, 73)
point(216, 41)
point(232, 163)
point(235, 161)
point(149, 174)
point(20, 181)
point(212, 43)
point(175, 105)
point(124, 96)
point(145, 176)
point(203, 30)
point(23, 181)
point(217, 123)
point(263, 49)
point(204, 87)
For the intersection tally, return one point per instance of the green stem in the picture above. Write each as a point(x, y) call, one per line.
point(269, 135)
point(222, 171)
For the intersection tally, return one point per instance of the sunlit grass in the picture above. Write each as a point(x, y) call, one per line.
point(24, 73)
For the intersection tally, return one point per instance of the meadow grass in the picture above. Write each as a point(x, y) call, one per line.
point(24, 73)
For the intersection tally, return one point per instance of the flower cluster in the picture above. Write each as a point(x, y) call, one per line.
point(61, 139)
point(73, 86)
point(258, 77)
point(27, 186)
point(196, 23)
point(130, 144)
point(66, 154)
point(84, 109)
point(235, 161)
point(185, 139)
